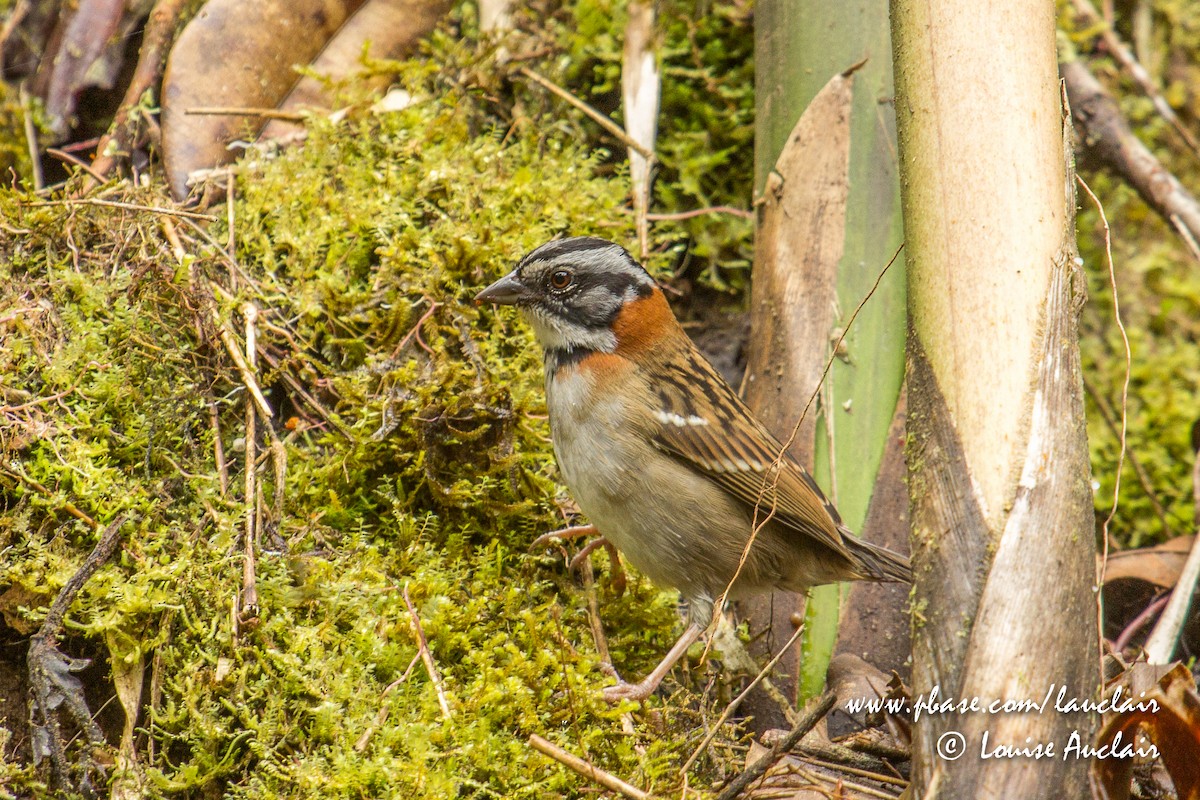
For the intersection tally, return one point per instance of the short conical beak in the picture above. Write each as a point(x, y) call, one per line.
point(505, 292)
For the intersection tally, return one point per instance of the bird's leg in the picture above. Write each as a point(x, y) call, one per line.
point(618, 572)
point(586, 551)
point(578, 532)
point(645, 688)
point(573, 532)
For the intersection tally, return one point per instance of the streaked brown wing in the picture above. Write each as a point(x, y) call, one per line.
point(707, 426)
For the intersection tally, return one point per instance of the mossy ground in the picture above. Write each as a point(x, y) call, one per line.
point(408, 453)
point(417, 454)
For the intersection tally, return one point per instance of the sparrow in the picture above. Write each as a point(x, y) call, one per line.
point(661, 454)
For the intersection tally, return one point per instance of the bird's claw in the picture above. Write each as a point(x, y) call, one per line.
point(626, 691)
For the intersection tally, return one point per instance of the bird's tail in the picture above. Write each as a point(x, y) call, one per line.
point(879, 564)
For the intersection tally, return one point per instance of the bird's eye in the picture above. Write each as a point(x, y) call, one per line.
point(561, 279)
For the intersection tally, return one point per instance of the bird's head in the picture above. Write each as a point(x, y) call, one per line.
point(572, 291)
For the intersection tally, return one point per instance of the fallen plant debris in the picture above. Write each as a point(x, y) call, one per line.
point(1165, 709)
point(55, 686)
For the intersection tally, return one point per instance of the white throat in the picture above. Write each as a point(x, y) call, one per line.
point(555, 333)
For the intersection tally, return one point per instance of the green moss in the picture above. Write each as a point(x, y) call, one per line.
point(417, 453)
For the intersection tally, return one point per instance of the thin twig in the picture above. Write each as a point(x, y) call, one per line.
point(248, 607)
point(231, 220)
point(238, 111)
point(325, 414)
point(852, 770)
point(31, 141)
point(414, 331)
point(604, 122)
point(737, 701)
point(589, 771)
point(1112, 513)
point(71, 158)
point(594, 622)
point(427, 657)
point(1106, 414)
point(814, 714)
point(159, 33)
point(699, 212)
point(247, 374)
point(12, 469)
point(1116, 303)
point(1140, 76)
point(39, 401)
point(229, 259)
point(92, 201)
point(841, 785)
point(219, 448)
point(384, 706)
point(1140, 621)
point(172, 235)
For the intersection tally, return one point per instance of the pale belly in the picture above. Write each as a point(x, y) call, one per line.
point(668, 522)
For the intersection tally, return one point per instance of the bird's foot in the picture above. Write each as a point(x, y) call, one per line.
point(573, 532)
point(628, 691)
point(618, 572)
point(578, 532)
point(648, 685)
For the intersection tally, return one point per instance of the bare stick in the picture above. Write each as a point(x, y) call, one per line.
point(771, 478)
point(589, 771)
point(426, 656)
point(31, 142)
point(1136, 71)
point(1139, 622)
point(807, 722)
point(237, 111)
point(1116, 300)
point(248, 379)
point(219, 449)
point(1161, 644)
point(248, 608)
point(384, 706)
point(737, 701)
point(604, 122)
point(325, 414)
point(117, 142)
point(1106, 136)
point(49, 678)
point(93, 201)
point(71, 158)
point(12, 469)
point(593, 607)
point(698, 212)
point(230, 220)
point(840, 785)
